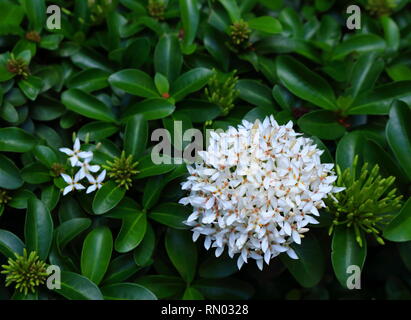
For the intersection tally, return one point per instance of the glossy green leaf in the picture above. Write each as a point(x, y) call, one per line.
point(359, 43)
point(265, 24)
point(107, 197)
point(89, 80)
point(120, 269)
point(224, 289)
point(171, 214)
point(399, 229)
point(167, 57)
point(38, 228)
point(398, 133)
point(135, 82)
point(10, 244)
point(192, 294)
point(163, 286)
point(78, 287)
point(308, 269)
point(346, 252)
point(189, 82)
point(96, 254)
point(69, 230)
point(127, 291)
point(87, 105)
point(148, 168)
point(182, 252)
point(304, 83)
point(151, 109)
point(143, 253)
point(136, 136)
point(321, 123)
point(9, 174)
point(190, 17)
point(131, 233)
point(16, 140)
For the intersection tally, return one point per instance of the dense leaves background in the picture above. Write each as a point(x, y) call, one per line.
point(117, 70)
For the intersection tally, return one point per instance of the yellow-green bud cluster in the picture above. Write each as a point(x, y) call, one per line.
point(4, 197)
point(99, 9)
point(27, 272)
point(240, 33)
point(121, 170)
point(18, 66)
point(366, 204)
point(221, 90)
point(156, 9)
point(381, 7)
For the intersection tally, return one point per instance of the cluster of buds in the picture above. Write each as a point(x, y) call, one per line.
point(4, 197)
point(99, 9)
point(122, 169)
point(222, 90)
point(366, 203)
point(81, 160)
point(240, 33)
point(33, 36)
point(18, 66)
point(381, 7)
point(27, 272)
point(156, 9)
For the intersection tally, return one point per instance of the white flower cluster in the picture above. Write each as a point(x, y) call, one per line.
point(81, 159)
point(256, 189)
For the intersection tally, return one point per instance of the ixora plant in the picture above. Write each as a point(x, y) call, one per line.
point(301, 193)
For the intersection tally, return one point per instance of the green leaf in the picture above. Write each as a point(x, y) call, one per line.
point(120, 269)
point(127, 291)
point(10, 244)
point(348, 147)
point(308, 269)
point(135, 82)
point(190, 82)
point(398, 133)
point(365, 72)
point(31, 87)
point(399, 229)
point(9, 174)
point(89, 80)
point(96, 131)
point(224, 289)
point(87, 105)
point(359, 43)
point(162, 84)
point(218, 268)
point(265, 24)
point(346, 252)
point(35, 173)
point(379, 100)
point(182, 252)
point(305, 84)
point(143, 253)
point(190, 17)
point(50, 195)
point(69, 230)
point(45, 155)
point(167, 57)
point(199, 110)
point(171, 214)
point(232, 8)
point(391, 33)
point(321, 123)
point(148, 168)
point(77, 287)
point(192, 294)
point(404, 249)
point(256, 93)
point(131, 233)
point(107, 197)
point(136, 136)
point(16, 140)
point(36, 13)
point(38, 228)
point(151, 109)
point(162, 286)
point(96, 254)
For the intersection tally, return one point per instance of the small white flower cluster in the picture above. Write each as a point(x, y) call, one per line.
point(256, 189)
point(81, 159)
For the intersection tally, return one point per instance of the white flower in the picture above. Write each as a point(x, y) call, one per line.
point(76, 154)
point(256, 189)
point(86, 168)
point(73, 184)
point(95, 183)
